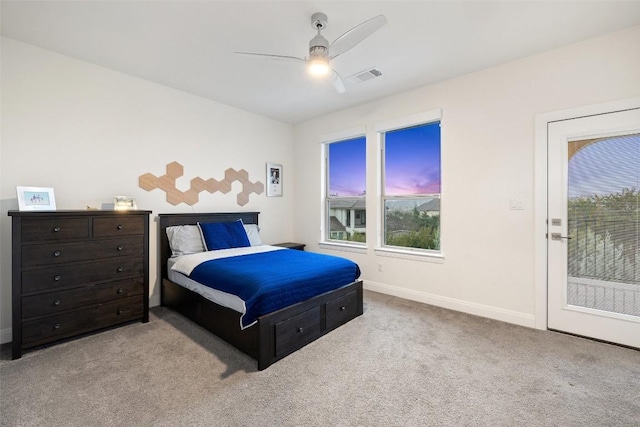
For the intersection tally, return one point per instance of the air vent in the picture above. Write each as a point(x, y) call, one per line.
point(363, 76)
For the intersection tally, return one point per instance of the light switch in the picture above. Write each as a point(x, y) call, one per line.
point(516, 204)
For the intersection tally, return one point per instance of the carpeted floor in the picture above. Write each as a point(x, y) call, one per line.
point(400, 364)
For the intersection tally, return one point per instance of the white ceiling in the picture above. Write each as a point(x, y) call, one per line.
point(189, 45)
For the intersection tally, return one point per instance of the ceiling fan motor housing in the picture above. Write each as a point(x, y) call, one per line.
point(318, 46)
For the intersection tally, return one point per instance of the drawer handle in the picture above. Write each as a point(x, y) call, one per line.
point(57, 277)
point(300, 329)
point(56, 253)
point(119, 227)
point(120, 247)
point(56, 229)
point(56, 302)
point(343, 308)
point(56, 326)
point(120, 269)
point(120, 311)
point(119, 291)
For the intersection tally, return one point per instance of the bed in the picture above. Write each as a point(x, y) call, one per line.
point(270, 336)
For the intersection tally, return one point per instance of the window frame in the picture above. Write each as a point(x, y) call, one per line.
point(325, 141)
point(429, 255)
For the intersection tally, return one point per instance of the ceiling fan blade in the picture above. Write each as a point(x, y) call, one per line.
point(356, 35)
point(337, 82)
point(273, 57)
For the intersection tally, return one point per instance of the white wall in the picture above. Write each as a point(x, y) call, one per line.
point(90, 132)
point(487, 160)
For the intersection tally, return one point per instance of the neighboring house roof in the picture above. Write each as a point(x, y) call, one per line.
point(336, 225)
point(430, 206)
point(348, 204)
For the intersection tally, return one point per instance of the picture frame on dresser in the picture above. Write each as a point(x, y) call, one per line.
point(36, 198)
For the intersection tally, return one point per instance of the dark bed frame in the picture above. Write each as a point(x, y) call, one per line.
point(276, 334)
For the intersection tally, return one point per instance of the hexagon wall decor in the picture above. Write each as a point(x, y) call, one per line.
point(174, 170)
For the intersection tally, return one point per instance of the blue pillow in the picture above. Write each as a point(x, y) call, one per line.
point(223, 235)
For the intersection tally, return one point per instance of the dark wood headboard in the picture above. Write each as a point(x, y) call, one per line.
point(168, 220)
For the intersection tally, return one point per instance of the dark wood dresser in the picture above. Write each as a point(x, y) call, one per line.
point(76, 272)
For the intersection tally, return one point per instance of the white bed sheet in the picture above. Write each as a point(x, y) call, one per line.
point(219, 297)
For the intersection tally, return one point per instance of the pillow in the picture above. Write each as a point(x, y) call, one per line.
point(184, 239)
point(223, 235)
point(253, 234)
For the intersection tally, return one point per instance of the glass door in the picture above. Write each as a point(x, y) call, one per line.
point(594, 227)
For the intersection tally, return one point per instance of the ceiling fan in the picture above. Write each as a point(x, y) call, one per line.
point(321, 52)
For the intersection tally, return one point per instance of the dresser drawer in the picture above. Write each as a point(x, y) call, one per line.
point(302, 328)
point(117, 226)
point(58, 301)
point(42, 229)
point(59, 326)
point(69, 276)
point(60, 252)
point(342, 309)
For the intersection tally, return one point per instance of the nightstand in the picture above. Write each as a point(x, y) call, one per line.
point(291, 245)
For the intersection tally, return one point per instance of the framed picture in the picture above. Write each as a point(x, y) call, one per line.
point(36, 199)
point(274, 180)
point(124, 203)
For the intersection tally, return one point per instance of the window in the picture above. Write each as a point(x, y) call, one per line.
point(411, 186)
point(346, 190)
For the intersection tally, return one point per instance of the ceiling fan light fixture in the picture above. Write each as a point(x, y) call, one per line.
point(319, 67)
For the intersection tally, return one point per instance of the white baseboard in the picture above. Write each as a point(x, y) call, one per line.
point(154, 300)
point(487, 311)
point(6, 335)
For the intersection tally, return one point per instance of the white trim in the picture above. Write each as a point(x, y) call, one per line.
point(509, 316)
point(540, 182)
point(412, 120)
point(325, 140)
point(416, 119)
point(413, 255)
point(379, 209)
point(154, 301)
point(361, 249)
point(6, 335)
point(343, 134)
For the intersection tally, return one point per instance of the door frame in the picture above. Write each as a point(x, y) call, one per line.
point(541, 195)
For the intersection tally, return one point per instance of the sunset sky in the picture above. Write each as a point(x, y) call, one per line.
point(412, 161)
point(347, 172)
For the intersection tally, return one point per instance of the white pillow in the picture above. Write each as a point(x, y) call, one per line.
point(253, 234)
point(184, 239)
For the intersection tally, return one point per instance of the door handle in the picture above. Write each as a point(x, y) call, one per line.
point(558, 236)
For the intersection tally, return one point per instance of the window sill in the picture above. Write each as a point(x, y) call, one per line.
point(343, 247)
point(413, 255)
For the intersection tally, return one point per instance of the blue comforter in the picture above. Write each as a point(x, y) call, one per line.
point(269, 281)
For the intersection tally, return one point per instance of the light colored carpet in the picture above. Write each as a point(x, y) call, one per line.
point(400, 364)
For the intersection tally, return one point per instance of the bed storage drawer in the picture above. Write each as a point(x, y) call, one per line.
point(341, 310)
point(292, 332)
